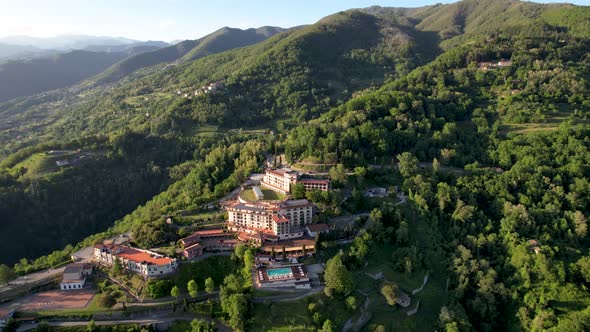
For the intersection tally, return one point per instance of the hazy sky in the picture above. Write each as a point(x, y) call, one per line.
point(171, 19)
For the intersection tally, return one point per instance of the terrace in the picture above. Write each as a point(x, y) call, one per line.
point(285, 276)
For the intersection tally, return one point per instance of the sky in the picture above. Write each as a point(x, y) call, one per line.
point(169, 20)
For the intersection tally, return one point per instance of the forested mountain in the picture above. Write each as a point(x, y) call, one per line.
point(26, 77)
point(221, 40)
point(479, 109)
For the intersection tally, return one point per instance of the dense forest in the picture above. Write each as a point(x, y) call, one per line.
point(494, 159)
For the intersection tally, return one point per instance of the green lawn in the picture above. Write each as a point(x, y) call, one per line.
point(205, 217)
point(216, 267)
point(269, 195)
point(37, 164)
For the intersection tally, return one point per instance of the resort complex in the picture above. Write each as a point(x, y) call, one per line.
point(143, 262)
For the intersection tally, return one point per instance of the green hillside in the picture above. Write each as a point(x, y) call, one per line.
point(221, 40)
point(492, 157)
point(26, 77)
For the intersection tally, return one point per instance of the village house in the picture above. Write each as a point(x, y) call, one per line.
point(74, 276)
point(143, 262)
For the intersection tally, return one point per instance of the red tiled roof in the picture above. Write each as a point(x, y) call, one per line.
point(277, 219)
point(139, 256)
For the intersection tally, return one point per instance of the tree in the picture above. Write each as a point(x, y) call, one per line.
point(284, 252)
point(338, 277)
point(240, 250)
point(361, 246)
point(107, 300)
point(193, 289)
point(351, 303)
point(117, 267)
point(435, 165)
point(338, 174)
point(209, 285)
point(402, 234)
point(248, 264)
point(298, 191)
point(407, 164)
point(159, 287)
point(91, 326)
point(389, 291)
point(328, 326)
point(6, 274)
point(581, 224)
point(199, 325)
point(175, 291)
point(236, 307)
point(583, 265)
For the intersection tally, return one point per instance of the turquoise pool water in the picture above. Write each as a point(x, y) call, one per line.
point(279, 272)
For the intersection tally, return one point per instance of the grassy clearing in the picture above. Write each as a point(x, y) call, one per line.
point(550, 123)
point(295, 316)
point(216, 267)
point(269, 195)
point(201, 218)
point(36, 165)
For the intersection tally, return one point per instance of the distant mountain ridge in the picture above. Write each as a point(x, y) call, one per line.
point(221, 40)
point(66, 42)
point(26, 77)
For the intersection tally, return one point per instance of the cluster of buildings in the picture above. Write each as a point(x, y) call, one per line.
point(493, 65)
point(205, 89)
point(277, 227)
point(211, 239)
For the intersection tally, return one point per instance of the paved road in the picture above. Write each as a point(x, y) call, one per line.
point(288, 297)
point(140, 321)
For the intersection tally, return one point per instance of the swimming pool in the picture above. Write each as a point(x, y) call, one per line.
point(282, 272)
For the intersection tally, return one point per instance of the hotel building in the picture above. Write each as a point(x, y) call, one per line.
point(143, 262)
point(281, 180)
point(276, 220)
